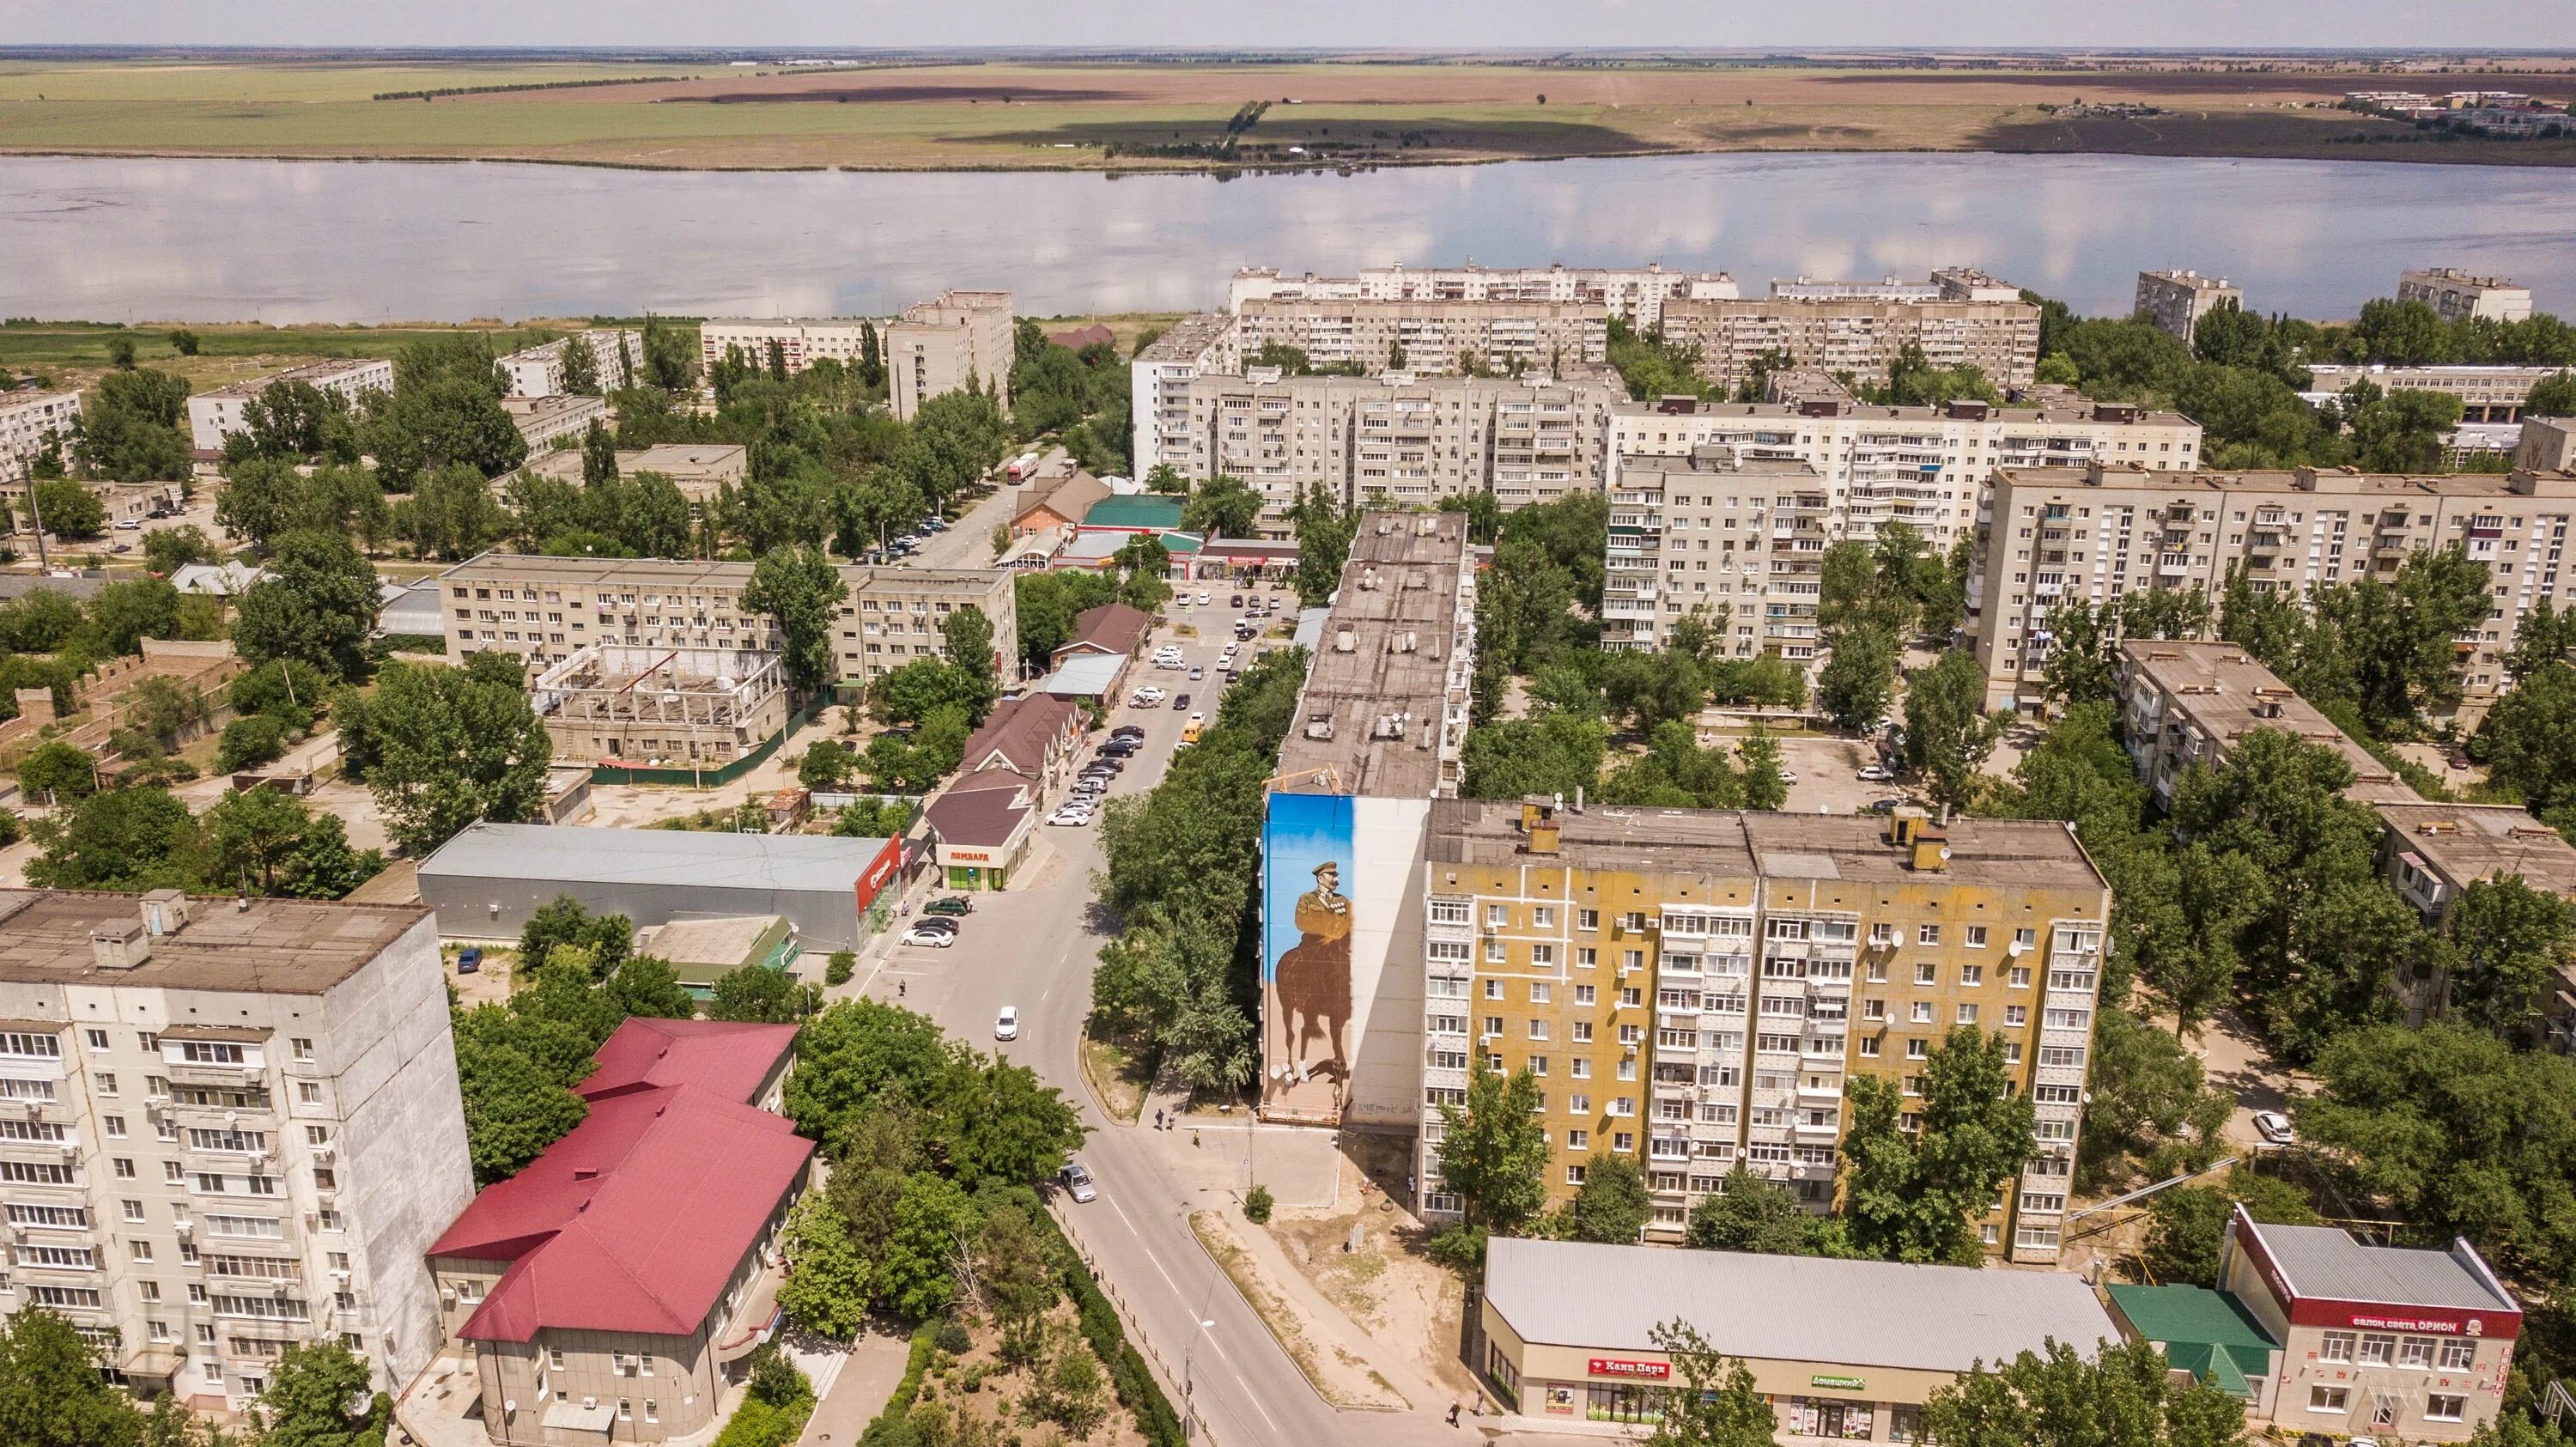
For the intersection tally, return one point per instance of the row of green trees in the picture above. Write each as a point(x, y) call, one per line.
point(54, 1392)
point(50, 640)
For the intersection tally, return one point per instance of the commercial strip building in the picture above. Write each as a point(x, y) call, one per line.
point(611, 1290)
point(216, 415)
point(31, 422)
point(703, 951)
point(1843, 1350)
point(546, 609)
point(1976, 321)
point(538, 371)
point(1398, 438)
point(2487, 393)
point(2185, 705)
point(2460, 295)
point(488, 880)
point(1693, 988)
point(544, 421)
point(2112, 530)
point(963, 338)
point(696, 468)
point(2176, 300)
point(661, 707)
point(1635, 294)
point(981, 825)
point(1380, 723)
point(234, 1127)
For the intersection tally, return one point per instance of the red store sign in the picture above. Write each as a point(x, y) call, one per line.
point(1617, 1367)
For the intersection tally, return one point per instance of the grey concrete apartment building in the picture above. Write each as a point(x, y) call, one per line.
point(30, 422)
point(1717, 530)
point(226, 1128)
point(538, 371)
point(958, 339)
point(2459, 295)
point(1397, 437)
point(547, 609)
point(1863, 334)
point(2176, 300)
point(1633, 293)
point(217, 414)
point(2112, 529)
point(1428, 336)
point(2186, 704)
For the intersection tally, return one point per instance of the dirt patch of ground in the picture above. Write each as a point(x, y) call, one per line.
point(895, 94)
point(1118, 1075)
point(1338, 1375)
point(1386, 1283)
point(983, 1401)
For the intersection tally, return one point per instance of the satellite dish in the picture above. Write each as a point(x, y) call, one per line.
point(1945, 851)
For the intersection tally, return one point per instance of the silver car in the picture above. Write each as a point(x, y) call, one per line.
point(1077, 1182)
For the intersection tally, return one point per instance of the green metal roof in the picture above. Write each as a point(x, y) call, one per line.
point(2207, 1333)
point(1145, 510)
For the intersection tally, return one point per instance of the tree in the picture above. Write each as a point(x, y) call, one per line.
point(130, 839)
point(124, 614)
point(315, 604)
point(1222, 507)
point(52, 1391)
point(1016, 1279)
point(1754, 1213)
point(1324, 530)
point(1915, 1196)
point(68, 507)
point(649, 987)
point(2552, 396)
point(581, 367)
point(1493, 1150)
point(563, 923)
point(2507, 938)
point(827, 1287)
point(1765, 782)
point(1612, 1205)
point(306, 1402)
point(933, 1222)
point(1002, 1125)
point(1145, 567)
point(1554, 753)
point(58, 769)
point(2530, 743)
point(1948, 734)
point(759, 994)
point(2080, 667)
point(855, 1056)
point(276, 843)
point(2123, 1396)
point(801, 592)
point(132, 432)
point(514, 1107)
point(183, 341)
point(446, 748)
point(966, 639)
point(167, 550)
point(2188, 1224)
point(1713, 1403)
point(2148, 1102)
point(1859, 676)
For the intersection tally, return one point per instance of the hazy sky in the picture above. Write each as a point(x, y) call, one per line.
point(2449, 24)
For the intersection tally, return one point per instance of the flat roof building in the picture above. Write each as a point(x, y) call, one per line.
point(2459, 295)
point(2186, 704)
point(2176, 300)
point(276, 1084)
point(31, 422)
point(1427, 337)
point(1847, 1350)
point(1634, 293)
point(217, 414)
point(1768, 590)
point(539, 371)
point(696, 468)
point(2548, 444)
point(543, 420)
point(488, 880)
point(961, 339)
point(2431, 852)
point(661, 707)
point(2487, 392)
point(1863, 334)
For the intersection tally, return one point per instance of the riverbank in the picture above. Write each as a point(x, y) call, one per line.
point(1201, 117)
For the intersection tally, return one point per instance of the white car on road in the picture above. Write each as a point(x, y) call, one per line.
point(1070, 818)
point(929, 939)
point(1006, 1026)
point(2275, 1128)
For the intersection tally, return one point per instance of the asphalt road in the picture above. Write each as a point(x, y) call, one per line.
point(1035, 948)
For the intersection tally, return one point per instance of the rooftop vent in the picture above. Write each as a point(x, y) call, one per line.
point(119, 946)
point(1389, 725)
point(1346, 640)
point(1369, 580)
point(1407, 641)
point(164, 912)
point(1320, 726)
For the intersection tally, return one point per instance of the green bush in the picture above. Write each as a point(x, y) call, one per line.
point(838, 969)
point(250, 742)
point(952, 1338)
point(892, 1427)
point(1128, 1375)
point(758, 1424)
point(1256, 1205)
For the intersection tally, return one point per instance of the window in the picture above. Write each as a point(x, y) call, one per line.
point(2444, 1406)
point(2019, 979)
point(650, 1414)
point(1587, 919)
point(1493, 989)
point(1925, 972)
point(1929, 934)
point(97, 1039)
point(2415, 1351)
point(2459, 1355)
point(1578, 1139)
point(209, 1052)
point(2329, 1399)
point(2336, 1347)
point(1584, 995)
point(141, 1250)
point(1967, 1014)
point(1976, 936)
point(2377, 1350)
point(133, 1211)
point(115, 1126)
point(1972, 974)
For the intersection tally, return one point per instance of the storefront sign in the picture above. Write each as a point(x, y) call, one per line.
point(1617, 1367)
point(1839, 1384)
point(969, 856)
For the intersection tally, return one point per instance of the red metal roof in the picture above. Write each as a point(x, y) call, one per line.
point(729, 1059)
point(1114, 628)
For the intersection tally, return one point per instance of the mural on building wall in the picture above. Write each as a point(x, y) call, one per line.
point(1307, 927)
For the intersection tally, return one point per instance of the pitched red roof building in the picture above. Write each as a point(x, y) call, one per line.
point(1112, 628)
point(616, 1278)
point(1034, 734)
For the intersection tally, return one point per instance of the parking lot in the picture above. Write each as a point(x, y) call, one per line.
point(1828, 769)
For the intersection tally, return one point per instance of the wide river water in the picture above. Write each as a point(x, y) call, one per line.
point(283, 241)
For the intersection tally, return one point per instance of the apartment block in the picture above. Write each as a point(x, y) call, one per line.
point(1398, 438)
point(547, 609)
point(2459, 295)
point(544, 422)
point(216, 415)
point(1717, 531)
point(1861, 335)
point(1950, 283)
point(801, 341)
point(226, 1128)
point(1696, 988)
point(963, 338)
point(1428, 336)
point(30, 422)
point(2186, 704)
point(2176, 300)
point(2547, 444)
point(2486, 393)
point(1635, 294)
point(538, 371)
point(2113, 530)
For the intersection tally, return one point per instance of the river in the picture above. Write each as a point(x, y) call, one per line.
point(286, 241)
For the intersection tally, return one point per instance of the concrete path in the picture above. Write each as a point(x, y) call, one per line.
point(867, 1379)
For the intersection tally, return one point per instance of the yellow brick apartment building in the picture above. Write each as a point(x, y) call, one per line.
point(1694, 987)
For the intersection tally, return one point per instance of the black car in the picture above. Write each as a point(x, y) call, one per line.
point(1128, 731)
point(1180, 700)
point(1235, 602)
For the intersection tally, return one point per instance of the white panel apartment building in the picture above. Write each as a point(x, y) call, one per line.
point(538, 371)
point(2111, 530)
point(29, 423)
point(215, 415)
point(1716, 530)
point(1428, 336)
point(2459, 295)
point(2176, 300)
point(1975, 321)
point(1406, 439)
point(226, 1129)
point(1635, 293)
point(962, 338)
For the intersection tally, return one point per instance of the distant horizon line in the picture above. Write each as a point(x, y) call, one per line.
point(659, 51)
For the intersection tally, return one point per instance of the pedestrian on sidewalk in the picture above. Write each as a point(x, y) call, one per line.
point(1158, 1120)
point(1194, 1140)
point(1453, 1414)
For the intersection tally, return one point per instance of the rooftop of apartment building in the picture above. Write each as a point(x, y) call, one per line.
point(1454, 306)
point(2226, 695)
point(2185, 276)
point(1800, 398)
point(1578, 374)
point(2460, 276)
point(2485, 841)
point(1727, 843)
point(694, 573)
point(2435, 369)
point(264, 946)
point(1713, 463)
point(1188, 337)
point(310, 372)
point(1376, 692)
point(2339, 480)
point(1475, 268)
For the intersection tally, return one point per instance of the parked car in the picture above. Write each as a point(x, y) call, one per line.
point(1197, 672)
point(929, 939)
point(1876, 774)
point(1119, 749)
point(1128, 731)
point(941, 923)
point(128, 525)
point(1235, 602)
point(1788, 776)
point(954, 904)
point(1886, 806)
point(1203, 599)
point(1077, 1182)
point(1006, 1026)
point(2274, 1127)
point(1180, 700)
point(1070, 817)
point(469, 960)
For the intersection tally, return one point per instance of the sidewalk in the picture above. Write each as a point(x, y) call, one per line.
point(859, 1390)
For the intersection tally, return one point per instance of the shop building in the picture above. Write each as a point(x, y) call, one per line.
point(1845, 1351)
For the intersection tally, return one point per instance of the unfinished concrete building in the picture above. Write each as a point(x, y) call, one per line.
point(665, 707)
